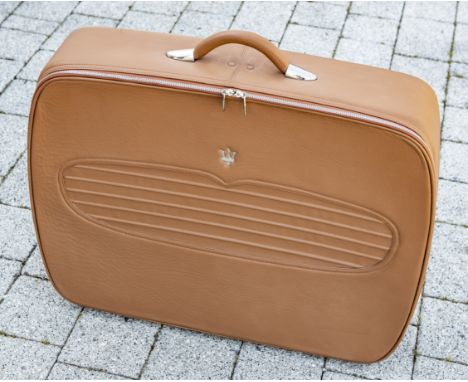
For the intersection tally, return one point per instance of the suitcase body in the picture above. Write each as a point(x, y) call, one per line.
point(222, 196)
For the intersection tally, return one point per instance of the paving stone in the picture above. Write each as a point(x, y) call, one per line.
point(462, 15)
point(69, 372)
point(437, 10)
point(163, 7)
point(364, 52)
point(9, 270)
point(264, 362)
point(459, 70)
point(268, 19)
point(425, 38)
point(30, 25)
point(442, 333)
point(8, 6)
point(183, 354)
point(460, 48)
point(228, 8)
point(34, 67)
point(108, 9)
point(457, 94)
point(13, 131)
point(320, 42)
point(46, 10)
point(34, 265)
point(21, 359)
point(33, 309)
point(109, 343)
point(385, 9)
point(428, 368)
point(397, 366)
point(16, 99)
point(17, 237)
point(433, 72)
point(74, 22)
point(19, 45)
point(201, 24)
point(455, 124)
point(453, 162)
point(319, 14)
point(340, 3)
point(14, 190)
point(151, 22)
point(8, 71)
point(448, 266)
point(365, 28)
point(332, 375)
point(452, 202)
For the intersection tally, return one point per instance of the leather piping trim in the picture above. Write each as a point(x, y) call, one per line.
point(243, 192)
point(232, 215)
point(198, 221)
point(216, 200)
point(243, 242)
point(193, 233)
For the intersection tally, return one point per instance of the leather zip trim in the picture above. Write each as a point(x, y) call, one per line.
point(218, 90)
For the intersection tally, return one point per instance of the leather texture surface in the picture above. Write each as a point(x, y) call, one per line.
point(316, 239)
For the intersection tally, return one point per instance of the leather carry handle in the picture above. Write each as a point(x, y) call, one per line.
point(278, 57)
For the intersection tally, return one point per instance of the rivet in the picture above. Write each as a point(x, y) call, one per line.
point(250, 66)
point(231, 63)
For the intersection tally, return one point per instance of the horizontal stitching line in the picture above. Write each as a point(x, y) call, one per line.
point(154, 190)
point(226, 226)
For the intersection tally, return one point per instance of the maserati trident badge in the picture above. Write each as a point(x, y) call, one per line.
point(227, 157)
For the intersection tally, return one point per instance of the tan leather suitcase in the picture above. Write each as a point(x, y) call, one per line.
point(227, 186)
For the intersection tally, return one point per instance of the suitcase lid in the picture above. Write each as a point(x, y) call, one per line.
point(381, 93)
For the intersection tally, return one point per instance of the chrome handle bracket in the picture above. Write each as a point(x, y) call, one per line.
point(181, 55)
point(297, 73)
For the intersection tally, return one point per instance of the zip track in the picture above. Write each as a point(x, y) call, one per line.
point(215, 90)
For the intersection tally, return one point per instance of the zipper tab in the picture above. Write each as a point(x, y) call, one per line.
point(235, 93)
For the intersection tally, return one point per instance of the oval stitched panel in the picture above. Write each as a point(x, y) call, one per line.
point(248, 219)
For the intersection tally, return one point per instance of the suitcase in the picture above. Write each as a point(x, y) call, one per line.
point(230, 187)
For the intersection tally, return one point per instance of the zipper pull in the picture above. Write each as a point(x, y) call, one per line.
point(236, 93)
point(224, 94)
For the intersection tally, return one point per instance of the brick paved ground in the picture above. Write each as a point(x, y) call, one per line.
point(43, 336)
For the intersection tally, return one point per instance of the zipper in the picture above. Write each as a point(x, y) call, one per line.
point(236, 93)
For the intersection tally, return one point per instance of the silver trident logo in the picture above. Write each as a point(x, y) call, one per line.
point(227, 157)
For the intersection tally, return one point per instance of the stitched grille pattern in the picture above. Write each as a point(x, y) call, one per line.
point(248, 218)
